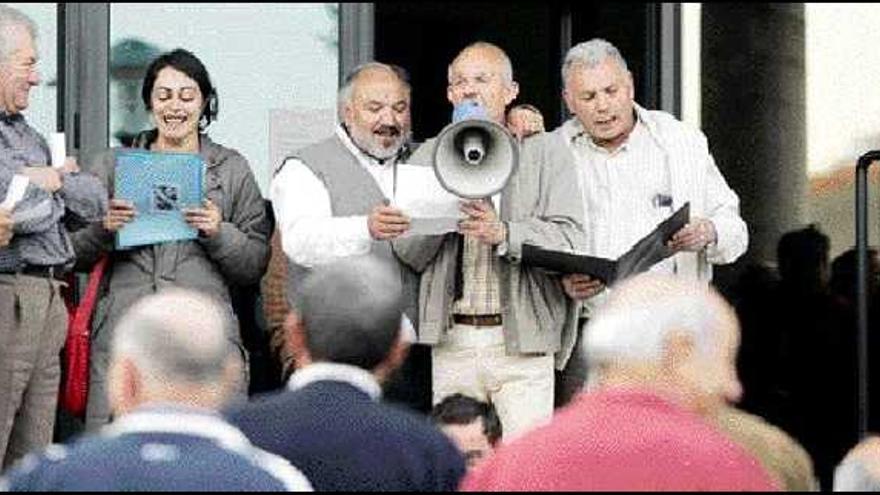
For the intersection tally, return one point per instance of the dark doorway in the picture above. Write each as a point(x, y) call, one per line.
point(424, 37)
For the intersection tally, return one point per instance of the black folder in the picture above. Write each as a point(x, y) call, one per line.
point(650, 250)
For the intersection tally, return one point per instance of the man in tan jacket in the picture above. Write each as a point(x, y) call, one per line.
point(496, 325)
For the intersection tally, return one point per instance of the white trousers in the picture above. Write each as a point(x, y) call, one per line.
point(472, 361)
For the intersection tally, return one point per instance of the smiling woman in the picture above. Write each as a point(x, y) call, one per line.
point(183, 102)
point(265, 59)
point(232, 247)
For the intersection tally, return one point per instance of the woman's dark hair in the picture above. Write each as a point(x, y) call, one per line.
point(189, 64)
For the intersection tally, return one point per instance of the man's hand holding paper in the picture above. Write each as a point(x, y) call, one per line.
point(419, 196)
point(387, 222)
point(46, 178)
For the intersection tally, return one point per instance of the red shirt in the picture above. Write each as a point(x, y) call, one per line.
point(621, 440)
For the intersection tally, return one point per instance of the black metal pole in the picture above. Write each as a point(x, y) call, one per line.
point(865, 162)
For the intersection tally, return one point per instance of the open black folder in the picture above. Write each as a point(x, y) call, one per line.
point(643, 255)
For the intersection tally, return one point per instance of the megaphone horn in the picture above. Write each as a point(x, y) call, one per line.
point(474, 157)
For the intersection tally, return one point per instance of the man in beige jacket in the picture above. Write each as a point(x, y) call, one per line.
point(495, 324)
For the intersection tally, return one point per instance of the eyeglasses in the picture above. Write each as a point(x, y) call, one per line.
point(477, 80)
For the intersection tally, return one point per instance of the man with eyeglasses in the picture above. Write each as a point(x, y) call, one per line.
point(33, 318)
point(496, 325)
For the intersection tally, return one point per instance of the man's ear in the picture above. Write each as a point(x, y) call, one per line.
point(632, 85)
point(395, 358)
point(512, 92)
point(125, 386)
point(297, 343)
point(678, 352)
point(569, 102)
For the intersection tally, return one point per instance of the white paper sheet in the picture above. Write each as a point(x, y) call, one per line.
point(15, 193)
point(58, 148)
point(432, 209)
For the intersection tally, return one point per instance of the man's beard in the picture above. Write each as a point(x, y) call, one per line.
point(371, 144)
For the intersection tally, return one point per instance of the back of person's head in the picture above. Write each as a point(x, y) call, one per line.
point(459, 409)
point(803, 257)
point(658, 329)
point(860, 469)
point(177, 343)
point(473, 425)
point(11, 18)
point(349, 312)
point(844, 272)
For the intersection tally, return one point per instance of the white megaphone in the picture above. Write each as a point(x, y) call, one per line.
point(474, 157)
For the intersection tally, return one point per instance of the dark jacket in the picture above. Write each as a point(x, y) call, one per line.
point(342, 440)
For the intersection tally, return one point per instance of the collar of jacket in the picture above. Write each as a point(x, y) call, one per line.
point(359, 378)
point(573, 128)
point(179, 420)
point(10, 117)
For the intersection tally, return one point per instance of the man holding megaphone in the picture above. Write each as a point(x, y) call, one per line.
point(495, 325)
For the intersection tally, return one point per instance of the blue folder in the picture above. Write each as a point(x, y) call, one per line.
point(160, 185)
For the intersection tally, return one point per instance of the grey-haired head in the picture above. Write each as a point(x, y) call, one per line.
point(590, 54)
point(350, 312)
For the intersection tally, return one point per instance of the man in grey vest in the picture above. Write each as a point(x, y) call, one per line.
point(43, 198)
point(497, 326)
point(331, 199)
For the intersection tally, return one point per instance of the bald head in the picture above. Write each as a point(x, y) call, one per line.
point(350, 311)
point(176, 338)
point(679, 330)
point(482, 72)
point(489, 54)
point(860, 469)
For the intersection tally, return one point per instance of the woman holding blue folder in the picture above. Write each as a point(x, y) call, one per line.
point(233, 228)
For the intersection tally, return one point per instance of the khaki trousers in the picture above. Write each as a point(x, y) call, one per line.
point(472, 361)
point(33, 328)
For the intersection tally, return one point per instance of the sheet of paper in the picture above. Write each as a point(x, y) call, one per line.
point(58, 149)
point(419, 195)
point(15, 193)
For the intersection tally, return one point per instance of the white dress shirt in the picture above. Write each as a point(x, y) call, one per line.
point(310, 234)
point(620, 190)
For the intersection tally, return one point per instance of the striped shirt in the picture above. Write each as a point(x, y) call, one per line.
point(622, 191)
point(39, 234)
point(480, 289)
point(621, 194)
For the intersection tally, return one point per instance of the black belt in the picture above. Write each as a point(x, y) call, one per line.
point(477, 320)
point(45, 271)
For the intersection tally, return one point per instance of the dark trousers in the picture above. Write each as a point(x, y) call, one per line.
point(410, 385)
